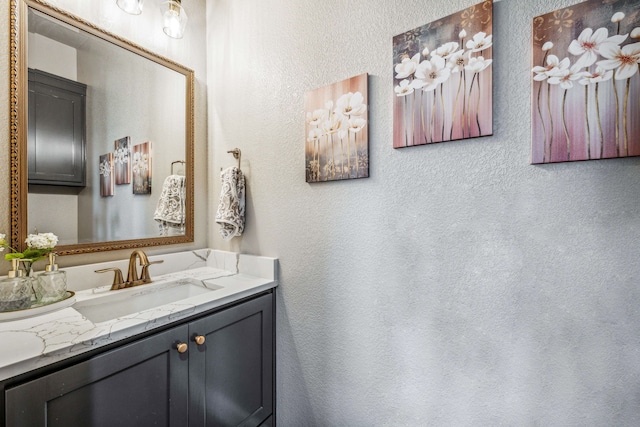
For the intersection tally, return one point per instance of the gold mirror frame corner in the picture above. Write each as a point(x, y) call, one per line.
point(18, 112)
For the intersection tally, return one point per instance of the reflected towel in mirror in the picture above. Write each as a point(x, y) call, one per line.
point(170, 211)
point(230, 214)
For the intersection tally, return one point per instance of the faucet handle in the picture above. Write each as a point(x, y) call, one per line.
point(118, 281)
point(144, 274)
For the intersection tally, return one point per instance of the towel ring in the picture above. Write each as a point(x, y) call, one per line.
point(173, 163)
point(236, 154)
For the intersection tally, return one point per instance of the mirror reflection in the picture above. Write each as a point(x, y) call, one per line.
point(109, 138)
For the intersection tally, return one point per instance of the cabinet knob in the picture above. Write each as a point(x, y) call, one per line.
point(182, 347)
point(199, 339)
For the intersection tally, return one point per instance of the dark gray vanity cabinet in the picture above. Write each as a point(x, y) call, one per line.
point(227, 380)
point(56, 139)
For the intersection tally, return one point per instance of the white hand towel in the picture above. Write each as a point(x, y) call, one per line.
point(170, 211)
point(230, 214)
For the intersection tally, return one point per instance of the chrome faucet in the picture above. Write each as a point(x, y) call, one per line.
point(132, 276)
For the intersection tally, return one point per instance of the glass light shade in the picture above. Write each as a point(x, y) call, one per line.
point(174, 19)
point(134, 7)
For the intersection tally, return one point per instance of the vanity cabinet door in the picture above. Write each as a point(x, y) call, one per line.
point(231, 372)
point(140, 384)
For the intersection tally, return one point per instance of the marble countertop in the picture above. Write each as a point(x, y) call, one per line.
point(50, 337)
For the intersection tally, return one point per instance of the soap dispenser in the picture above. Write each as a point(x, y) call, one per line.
point(15, 292)
point(53, 282)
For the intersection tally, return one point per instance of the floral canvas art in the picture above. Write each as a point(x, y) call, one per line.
point(443, 79)
point(122, 165)
point(141, 168)
point(105, 169)
point(586, 83)
point(337, 142)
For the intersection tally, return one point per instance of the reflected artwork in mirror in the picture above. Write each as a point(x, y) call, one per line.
point(79, 93)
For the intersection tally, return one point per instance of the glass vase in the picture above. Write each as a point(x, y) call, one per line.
point(53, 285)
point(34, 284)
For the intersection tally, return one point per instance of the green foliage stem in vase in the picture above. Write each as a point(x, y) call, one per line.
point(38, 247)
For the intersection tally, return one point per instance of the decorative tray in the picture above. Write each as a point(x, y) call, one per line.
point(36, 310)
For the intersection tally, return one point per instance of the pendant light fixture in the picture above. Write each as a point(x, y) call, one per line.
point(134, 7)
point(174, 18)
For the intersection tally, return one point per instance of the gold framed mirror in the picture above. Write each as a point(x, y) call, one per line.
point(138, 107)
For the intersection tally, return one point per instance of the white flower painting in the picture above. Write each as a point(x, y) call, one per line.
point(141, 168)
point(105, 169)
point(586, 82)
point(337, 142)
point(121, 157)
point(443, 79)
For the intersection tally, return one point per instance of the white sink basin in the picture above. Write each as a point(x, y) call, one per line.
point(115, 304)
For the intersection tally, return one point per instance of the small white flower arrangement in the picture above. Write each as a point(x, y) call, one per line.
point(38, 246)
point(43, 241)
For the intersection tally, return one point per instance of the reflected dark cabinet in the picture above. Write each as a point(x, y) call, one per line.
point(213, 371)
point(56, 139)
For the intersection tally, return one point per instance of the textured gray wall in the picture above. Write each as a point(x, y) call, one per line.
point(458, 285)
